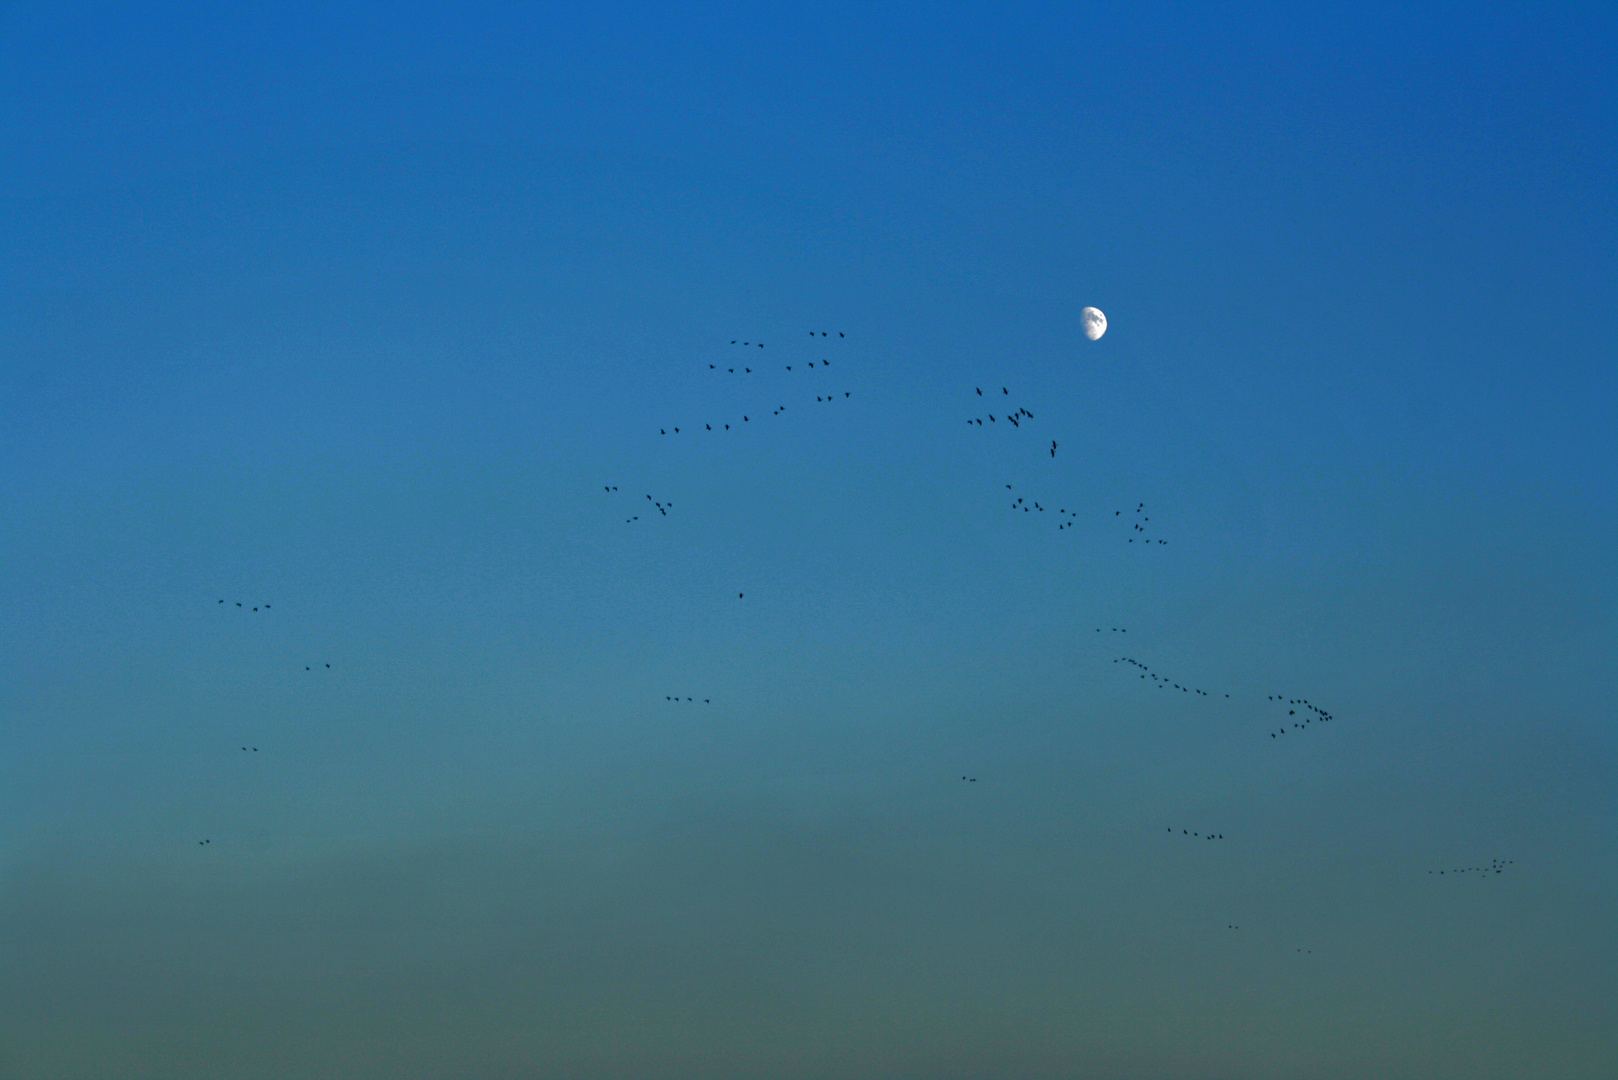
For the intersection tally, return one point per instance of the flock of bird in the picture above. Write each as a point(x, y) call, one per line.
point(1160, 681)
point(1071, 518)
point(1297, 723)
point(661, 507)
point(1015, 419)
point(1009, 419)
point(1139, 526)
point(1496, 866)
point(745, 370)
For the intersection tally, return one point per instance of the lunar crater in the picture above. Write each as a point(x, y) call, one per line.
point(1095, 323)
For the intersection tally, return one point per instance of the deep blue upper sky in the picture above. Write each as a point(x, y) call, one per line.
point(355, 310)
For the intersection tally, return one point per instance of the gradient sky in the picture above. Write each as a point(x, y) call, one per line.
point(354, 310)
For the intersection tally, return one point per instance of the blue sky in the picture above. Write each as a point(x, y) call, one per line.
point(355, 311)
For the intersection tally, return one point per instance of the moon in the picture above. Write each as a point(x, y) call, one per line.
point(1095, 323)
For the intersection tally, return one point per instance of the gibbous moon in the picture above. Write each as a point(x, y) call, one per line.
point(1095, 323)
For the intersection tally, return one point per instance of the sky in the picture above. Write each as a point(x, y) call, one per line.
point(381, 318)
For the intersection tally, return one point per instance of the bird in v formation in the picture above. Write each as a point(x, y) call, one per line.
point(1139, 527)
